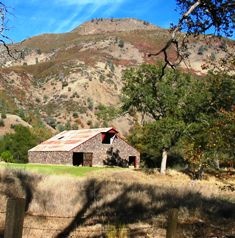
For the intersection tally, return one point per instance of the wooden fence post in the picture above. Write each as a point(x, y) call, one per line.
point(172, 223)
point(14, 218)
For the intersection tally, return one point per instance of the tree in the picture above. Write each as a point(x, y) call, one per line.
point(146, 91)
point(210, 117)
point(183, 109)
point(14, 146)
point(157, 138)
point(209, 141)
point(199, 17)
point(3, 12)
point(3, 37)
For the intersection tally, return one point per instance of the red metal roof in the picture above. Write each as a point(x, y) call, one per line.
point(68, 140)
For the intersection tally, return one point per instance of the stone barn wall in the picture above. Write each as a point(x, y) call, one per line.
point(93, 145)
point(50, 157)
point(99, 150)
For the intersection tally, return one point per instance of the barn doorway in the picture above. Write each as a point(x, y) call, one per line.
point(77, 159)
point(132, 161)
point(88, 157)
point(82, 159)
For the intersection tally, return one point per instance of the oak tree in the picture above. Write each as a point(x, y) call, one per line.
point(187, 112)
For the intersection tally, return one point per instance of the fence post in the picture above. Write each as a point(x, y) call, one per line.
point(14, 218)
point(172, 223)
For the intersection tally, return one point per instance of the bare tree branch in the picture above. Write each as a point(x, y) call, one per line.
point(13, 53)
point(173, 41)
point(197, 17)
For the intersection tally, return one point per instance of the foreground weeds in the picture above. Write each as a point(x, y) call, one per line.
point(118, 204)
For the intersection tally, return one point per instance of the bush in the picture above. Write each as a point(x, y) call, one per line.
point(3, 115)
point(67, 125)
point(18, 144)
point(38, 51)
point(60, 127)
point(90, 103)
point(74, 127)
point(7, 156)
point(51, 121)
point(213, 57)
point(89, 123)
point(64, 84)
point(107, 113)
point(201, 50)
point(75, 115)
point(2, 123)
point(121, 43)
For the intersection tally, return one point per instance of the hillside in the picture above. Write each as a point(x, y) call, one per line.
point(73, 80)
point(9, 122)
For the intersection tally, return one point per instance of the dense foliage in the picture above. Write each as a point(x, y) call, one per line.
point(14, 146)
point(192, 116)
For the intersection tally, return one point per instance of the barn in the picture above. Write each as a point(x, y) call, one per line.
point(86, 147)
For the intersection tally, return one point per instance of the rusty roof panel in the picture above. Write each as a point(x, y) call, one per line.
point(68, 140)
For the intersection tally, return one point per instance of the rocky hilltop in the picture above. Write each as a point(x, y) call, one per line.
point(101, 25)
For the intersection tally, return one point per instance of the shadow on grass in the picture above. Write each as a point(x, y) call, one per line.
point(141, 203)
point(19, 184)
point(118, 203)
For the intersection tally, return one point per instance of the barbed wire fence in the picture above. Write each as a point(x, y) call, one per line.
point(12, 212)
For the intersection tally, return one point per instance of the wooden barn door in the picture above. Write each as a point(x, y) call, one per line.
point(132, 161)
point(88, 157)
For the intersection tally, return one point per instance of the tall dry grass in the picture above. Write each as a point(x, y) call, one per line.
point(119, 204)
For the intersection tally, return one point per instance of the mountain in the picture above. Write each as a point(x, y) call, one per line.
point(73, 80)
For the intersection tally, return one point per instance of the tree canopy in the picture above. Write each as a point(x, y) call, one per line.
point(192, 115)
point(14, 146)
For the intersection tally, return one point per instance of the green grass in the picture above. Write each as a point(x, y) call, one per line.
point(52, 169)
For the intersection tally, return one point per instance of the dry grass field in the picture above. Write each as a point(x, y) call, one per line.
point(120, 203)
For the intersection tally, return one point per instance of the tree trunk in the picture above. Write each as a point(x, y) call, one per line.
point(217, 163)
point(164, 160)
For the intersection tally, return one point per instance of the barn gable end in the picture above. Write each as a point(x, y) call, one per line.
point(90, 147)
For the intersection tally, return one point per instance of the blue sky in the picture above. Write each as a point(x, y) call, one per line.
point(33, 17)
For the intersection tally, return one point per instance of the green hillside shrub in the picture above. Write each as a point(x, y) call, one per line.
point(106, 113)
point(2, 123)
point(7, 156)
point(3, 115)
point(75, 115)
point(14, 146)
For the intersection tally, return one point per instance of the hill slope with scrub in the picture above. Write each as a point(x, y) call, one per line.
point(73, 80)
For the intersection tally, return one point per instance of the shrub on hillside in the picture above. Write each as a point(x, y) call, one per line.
point(51, 121)
point(7, 156)
point(201, 50)
point(121, 43)
point(90, 103)
point(3, 115)
point(17, 144)
point(64, 84)
point(75, 115)
point(2, 123)
point(106, 113)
